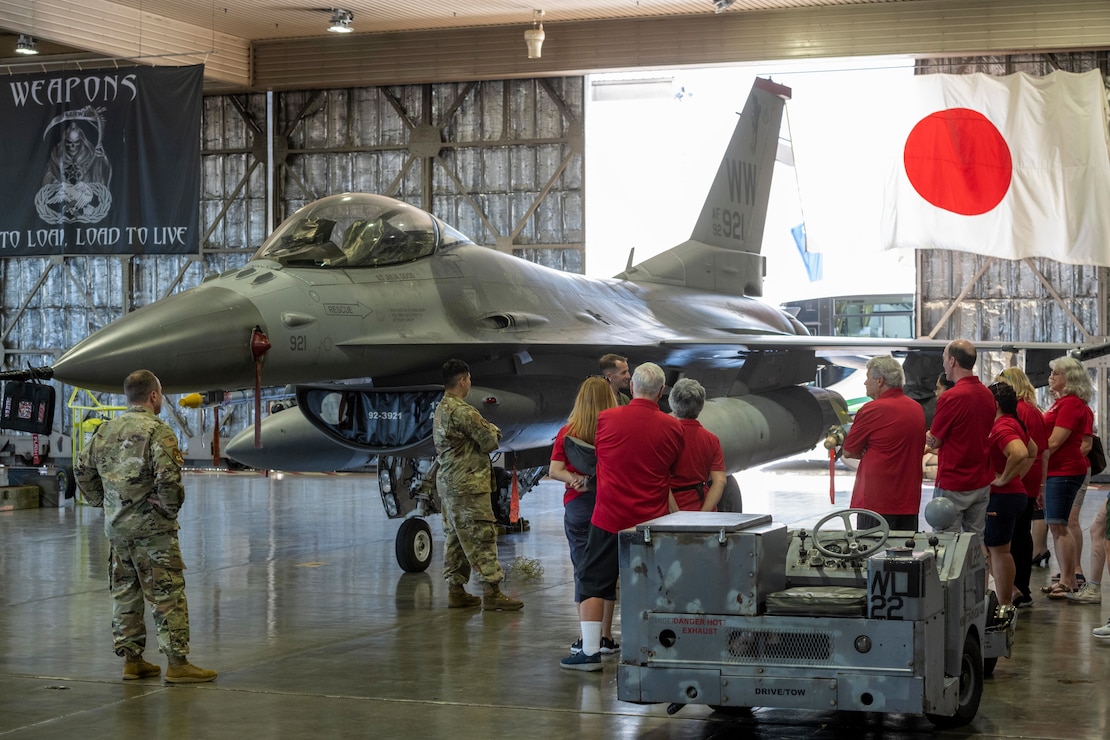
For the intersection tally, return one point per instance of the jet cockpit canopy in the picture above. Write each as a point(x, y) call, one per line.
point(357, 230)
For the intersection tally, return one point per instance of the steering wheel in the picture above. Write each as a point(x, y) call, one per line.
point(850, 537)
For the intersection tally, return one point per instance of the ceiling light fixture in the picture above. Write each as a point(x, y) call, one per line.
point(341, 21)
point(720, 6)
point(25, 45)
point(534, 36)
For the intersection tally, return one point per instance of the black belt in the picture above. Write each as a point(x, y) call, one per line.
point(699, 487)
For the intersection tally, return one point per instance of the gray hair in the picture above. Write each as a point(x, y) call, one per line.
point(648, 380)
point(1076, 380)
point(887, 368)
point(687, 398)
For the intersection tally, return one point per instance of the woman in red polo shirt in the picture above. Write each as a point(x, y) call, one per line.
point(1012, 454)
point(699, 478)
point(594, 396)
point(1068, 421)
point(1024, 541)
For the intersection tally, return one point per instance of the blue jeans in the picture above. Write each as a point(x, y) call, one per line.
point(1059, 495)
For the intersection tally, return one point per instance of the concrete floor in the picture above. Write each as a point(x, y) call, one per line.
point(297, 600)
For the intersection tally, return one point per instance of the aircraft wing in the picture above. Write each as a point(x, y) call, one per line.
point(879, 345)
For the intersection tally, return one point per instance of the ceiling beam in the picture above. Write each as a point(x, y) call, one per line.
point(922, 28)
point(116, 32)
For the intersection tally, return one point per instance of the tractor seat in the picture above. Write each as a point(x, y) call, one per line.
point(818, 601)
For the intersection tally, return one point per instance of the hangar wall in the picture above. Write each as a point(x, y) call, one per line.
point(500, 160)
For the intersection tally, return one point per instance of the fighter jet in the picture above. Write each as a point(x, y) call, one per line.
point(359, 299)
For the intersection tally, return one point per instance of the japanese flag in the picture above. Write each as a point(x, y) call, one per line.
point(1011, 167)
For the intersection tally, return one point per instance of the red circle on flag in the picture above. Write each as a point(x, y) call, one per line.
point(958, 160)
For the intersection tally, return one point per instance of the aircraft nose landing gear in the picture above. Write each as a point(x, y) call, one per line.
point(414, 545)
point(401, 484)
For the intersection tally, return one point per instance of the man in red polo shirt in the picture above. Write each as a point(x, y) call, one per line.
point(959, 433)
point(638, 447)
point(886, 438)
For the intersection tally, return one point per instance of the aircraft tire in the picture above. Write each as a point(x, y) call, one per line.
point(67, 484)
point(414, 545)
point(731, 499)
point(971, 687)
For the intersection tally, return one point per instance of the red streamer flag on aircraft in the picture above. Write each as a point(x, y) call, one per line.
point(514, 500)
point(1011, 167)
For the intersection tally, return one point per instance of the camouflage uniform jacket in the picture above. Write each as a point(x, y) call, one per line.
point(132, 467)
point(463, 442)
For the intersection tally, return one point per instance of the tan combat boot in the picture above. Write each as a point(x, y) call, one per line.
point(458, 598)
point(134, 667)
point(180, 670)
point(495, 601)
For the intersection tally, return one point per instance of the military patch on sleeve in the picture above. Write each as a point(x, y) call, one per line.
point(165, 437)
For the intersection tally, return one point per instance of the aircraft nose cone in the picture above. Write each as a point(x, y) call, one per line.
point(196, 340)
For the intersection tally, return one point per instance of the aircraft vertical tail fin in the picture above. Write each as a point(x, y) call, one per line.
point(723, 253)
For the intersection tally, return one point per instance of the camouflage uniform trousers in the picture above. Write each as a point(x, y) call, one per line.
point(148, 568)
point(470, 534)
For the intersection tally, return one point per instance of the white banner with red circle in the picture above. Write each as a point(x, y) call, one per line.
point(1011, 167)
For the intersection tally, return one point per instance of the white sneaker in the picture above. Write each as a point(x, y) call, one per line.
point(1088, 593)
point(1103, 632)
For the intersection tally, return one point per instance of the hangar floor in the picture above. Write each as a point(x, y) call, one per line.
point(297, 601)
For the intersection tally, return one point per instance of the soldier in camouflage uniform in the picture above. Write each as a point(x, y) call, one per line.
point(132, 467)
point(463, 442)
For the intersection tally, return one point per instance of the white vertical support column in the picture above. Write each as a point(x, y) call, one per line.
point(1100, 370)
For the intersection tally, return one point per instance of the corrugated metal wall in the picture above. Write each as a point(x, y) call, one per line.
point(500, 160)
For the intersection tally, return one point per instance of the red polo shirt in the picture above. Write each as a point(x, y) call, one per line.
point(558, 452)
point(638, 447)
point(701, 455)
point(1069, 412)
point(889, 431)
point(1033, 420)
point(962, 422)
point(1005, 430)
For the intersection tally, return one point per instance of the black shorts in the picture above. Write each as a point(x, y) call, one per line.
point(896, 522)
point(1003, 511)
point(597, 577)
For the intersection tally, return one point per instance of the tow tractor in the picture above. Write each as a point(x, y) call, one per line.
point(734, 611)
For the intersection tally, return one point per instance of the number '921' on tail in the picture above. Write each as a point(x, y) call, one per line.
point(723, 252)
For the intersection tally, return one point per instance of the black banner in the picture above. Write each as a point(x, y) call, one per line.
point(104, 162)
point(27, 407)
